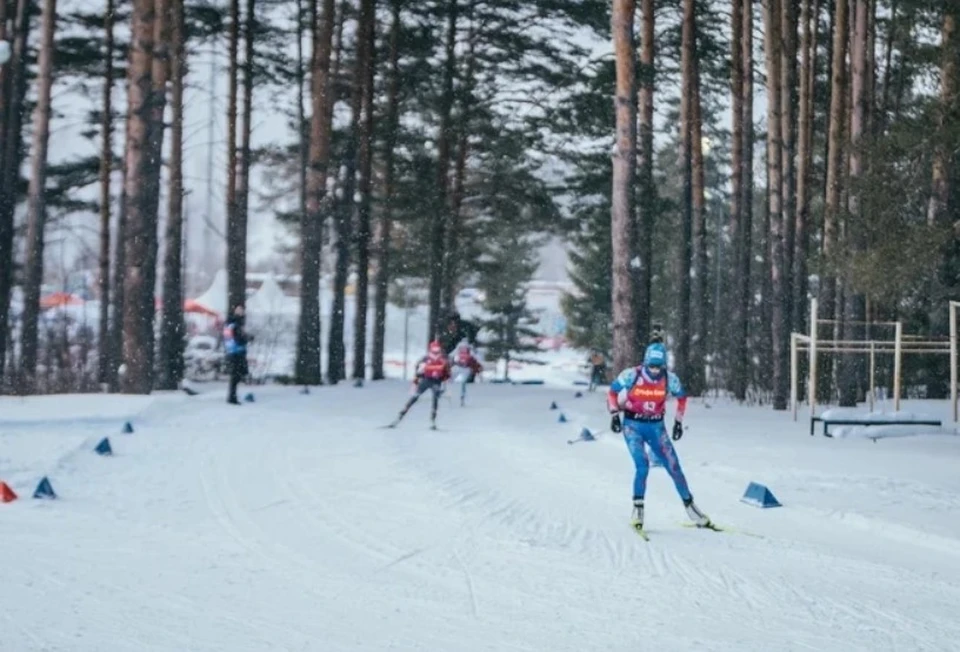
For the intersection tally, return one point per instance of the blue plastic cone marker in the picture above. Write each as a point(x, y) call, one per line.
point(578, 395)
point(305, 390)
point(103, 448)
point(248, 398)
point(358, 382)
point(562, 418)
point(553, 405)
point(759, 496)
point(128, 428)
point(45, 489)
point(586, 435)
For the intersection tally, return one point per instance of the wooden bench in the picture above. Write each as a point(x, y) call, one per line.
point(863, 422)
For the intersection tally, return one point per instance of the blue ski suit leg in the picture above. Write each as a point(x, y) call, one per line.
point(654, 434)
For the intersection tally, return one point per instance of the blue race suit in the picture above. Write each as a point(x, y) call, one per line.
point(648, 427)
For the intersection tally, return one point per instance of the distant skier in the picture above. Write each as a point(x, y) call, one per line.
point(598, 369)
point(465, 369)
point(642, 394)
point(433, 371)
point(235, 341)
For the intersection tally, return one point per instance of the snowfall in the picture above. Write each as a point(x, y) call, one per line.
point(297, 522)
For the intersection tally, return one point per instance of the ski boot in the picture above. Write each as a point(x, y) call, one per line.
point(693, 512)
point(637, 519)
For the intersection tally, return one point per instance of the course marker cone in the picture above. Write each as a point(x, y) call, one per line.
point(45, 489)
point(248, 398)
point(759, 495)
point(7, 494)
point(553, 405)
point(103, 448)
point(562, 418)
point(128, 428)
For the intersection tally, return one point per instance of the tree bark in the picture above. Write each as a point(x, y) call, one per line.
point(308, 366)
point(139, 228)
point(695, 375)
point(624, 164)
point(444, 137)
point(237, 235)
point(106, 168)
point(788, 129)
point(779, 319)
point(11, 155)
point(36, 207)
point(647, 189)
point(835, 159)
point(854, 309)
point(808, 54)
point(382, 279)
point(738, 382)
point(236, 274)
point(451, 266)
point(336, 351)
point(172, 324)
point(741, 346)
point(687, 54)
point(939, 205)
point(364, 186)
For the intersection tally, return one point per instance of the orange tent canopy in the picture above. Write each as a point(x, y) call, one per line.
point(60, 299)
point(192, 306)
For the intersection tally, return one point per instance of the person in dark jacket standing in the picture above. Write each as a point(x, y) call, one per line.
point(454, 330)
point(235, 341)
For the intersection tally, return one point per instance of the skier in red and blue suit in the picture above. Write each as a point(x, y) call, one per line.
point(642, 393)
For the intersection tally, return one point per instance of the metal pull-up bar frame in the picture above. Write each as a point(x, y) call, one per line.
point(812, 345)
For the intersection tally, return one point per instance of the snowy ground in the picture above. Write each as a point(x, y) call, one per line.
point(295, 523)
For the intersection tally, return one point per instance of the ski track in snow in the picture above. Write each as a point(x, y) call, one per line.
point(296, 523)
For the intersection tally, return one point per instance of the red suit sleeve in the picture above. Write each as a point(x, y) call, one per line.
point(613, 402)
point(681, 407)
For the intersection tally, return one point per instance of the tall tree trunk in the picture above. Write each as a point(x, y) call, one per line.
point(139, 228)
point(36, 208)
point(647, 189)
point(738, 380)
point(695, 375)
point(364, 185)
point(788, 130)
point(835, 159)
point(779, 318)
point(884, 94)
point(687, 55)
point(236, 272)
point(336, 351)
point(939, 205)
point(237, 236)
point(172, 324)
point(809, 24)
point(741, 346)
point(382, 279)
point(451, 265)
point(303, 133)
point(308, 366)
point(11, 155)
point(115, 343)
point(106, 169)
point(444, 137)
point(854, 309)
point(624, 165)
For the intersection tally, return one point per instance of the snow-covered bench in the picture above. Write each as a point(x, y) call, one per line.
point(849, 420)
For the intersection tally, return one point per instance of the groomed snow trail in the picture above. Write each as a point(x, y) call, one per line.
point(297, 523)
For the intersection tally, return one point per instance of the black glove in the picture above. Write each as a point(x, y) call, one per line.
point(615, 424)
point(677, 430)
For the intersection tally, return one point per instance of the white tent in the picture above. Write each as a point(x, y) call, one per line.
point(215, 298)
point(269, 299)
